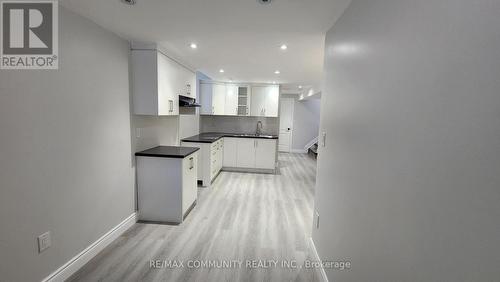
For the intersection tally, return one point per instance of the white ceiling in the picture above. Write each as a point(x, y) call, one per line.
point(241, 36)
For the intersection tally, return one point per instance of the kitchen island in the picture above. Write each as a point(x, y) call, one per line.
point(166, 183)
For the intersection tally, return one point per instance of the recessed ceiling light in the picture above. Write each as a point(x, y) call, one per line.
point(221, 70)
point(277, 72)
point(283, 47)
point(300, 86)
point(274, 82)
point(129, 2)
point(193, 45)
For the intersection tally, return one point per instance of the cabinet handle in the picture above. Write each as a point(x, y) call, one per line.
point(191, 163)
point(171, 105)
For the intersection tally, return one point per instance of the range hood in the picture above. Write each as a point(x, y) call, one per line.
point(185, 101)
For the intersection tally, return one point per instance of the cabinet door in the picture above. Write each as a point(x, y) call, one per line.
point(213, 162)
point(259, 94)
point(230, 149)
point(271, 102)
point(187, 83)
point(168, 98)
point(144, 82)
point(231, 104)
point(206, 95)
point(243, 100)
point(246, 153)
point(265, 154)
point(220, 157)
point(219, 99)
point(189, 181)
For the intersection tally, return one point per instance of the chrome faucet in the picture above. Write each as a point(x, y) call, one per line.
point(258, 131)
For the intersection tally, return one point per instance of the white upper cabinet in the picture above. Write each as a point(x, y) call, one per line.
point(219, 99)
point(231, 106)
point(157, 82)
point(168, 86)
point(265, 101)
point(271, 104)
point(206, 96)
point(187, 80)
point(241, 100)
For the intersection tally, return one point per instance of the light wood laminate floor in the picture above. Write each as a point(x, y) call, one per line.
point(242, 216)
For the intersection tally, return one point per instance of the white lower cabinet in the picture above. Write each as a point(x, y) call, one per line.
point(251, 153)
point(216, 153)
point(233, 153)
point(210, 159)
point(245, 153)
point(265, 154)
point(230, 148)
point(167, 187)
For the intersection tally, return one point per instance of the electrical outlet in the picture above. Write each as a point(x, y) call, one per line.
point(44, 241)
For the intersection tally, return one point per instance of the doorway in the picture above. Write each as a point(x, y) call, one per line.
point(286, 124)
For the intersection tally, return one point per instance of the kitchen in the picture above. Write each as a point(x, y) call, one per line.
point(162, 86)
point(249, 140)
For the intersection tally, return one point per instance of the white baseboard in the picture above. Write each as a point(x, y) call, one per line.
point(323, 276)
point(78, 261)
point(298, 151)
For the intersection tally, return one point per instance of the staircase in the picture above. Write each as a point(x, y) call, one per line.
point(313, 150)
point(312, 147)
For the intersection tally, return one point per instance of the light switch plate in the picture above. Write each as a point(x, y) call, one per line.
point(44, 242)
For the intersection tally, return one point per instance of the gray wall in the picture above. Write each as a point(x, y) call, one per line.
point(408, 185)
point(151, 131)
point(235, 124)
point(65, 150)
point(306, 115)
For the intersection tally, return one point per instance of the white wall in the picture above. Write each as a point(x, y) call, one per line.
point(189, 125)
point(306, 115)
point(408, 185)
point(152, 131)
point(65, 151)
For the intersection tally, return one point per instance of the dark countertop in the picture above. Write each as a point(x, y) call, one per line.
point(168, 152)
point(211, 137)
